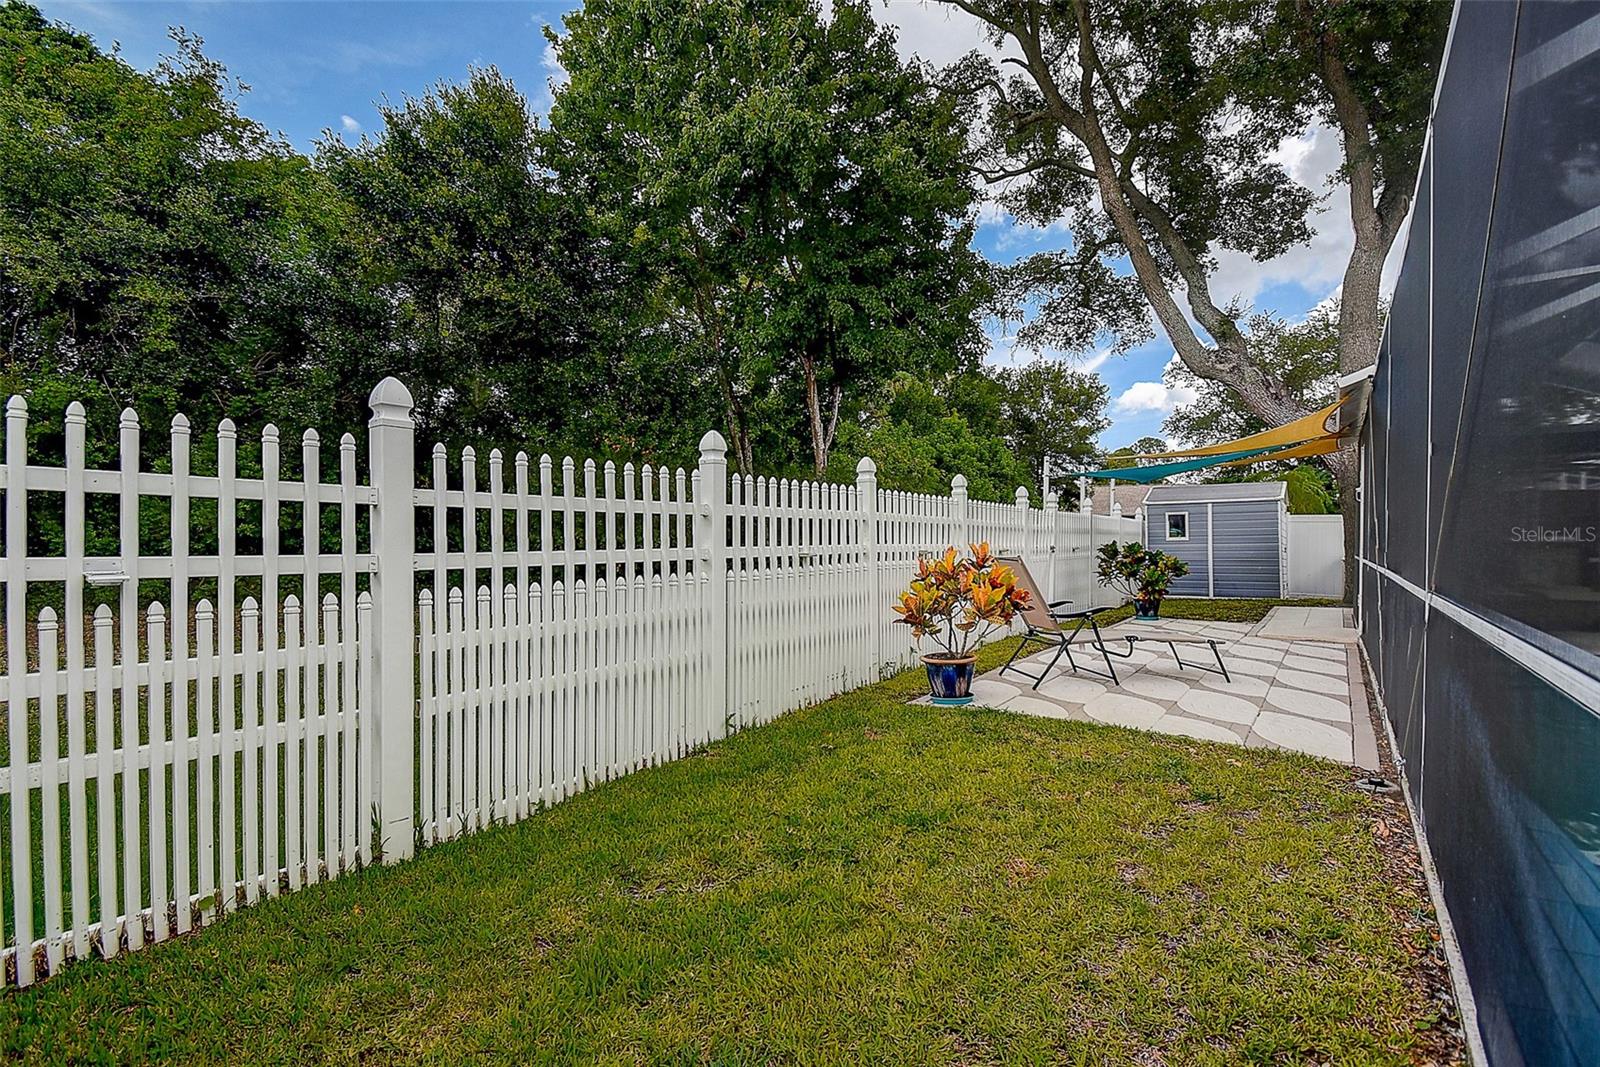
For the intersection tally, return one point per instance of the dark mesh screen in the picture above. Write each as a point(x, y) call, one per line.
point(1401, 678)
point(1406, 448)
point(1509, 805)
point(1378, 417)
point(1466, 160)
point(1492, 350)
point(1523, 507)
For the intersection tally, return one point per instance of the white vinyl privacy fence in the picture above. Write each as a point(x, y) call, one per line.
point(256, 682)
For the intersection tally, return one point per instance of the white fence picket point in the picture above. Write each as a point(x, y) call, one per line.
point(227, 526)
point(77, 704)
point(348, 667)
point(310, 644)
point(156, 702)
point(17, 669)
point(50, 788)
point(361, 730)
point(427, 744)
point(329, 658)
point(250, 627)
point(270, 806)
point(293, 734)
point(524, 748)
point(128, 655)
point(209, 732)
point(495, 648)
point(105, 804)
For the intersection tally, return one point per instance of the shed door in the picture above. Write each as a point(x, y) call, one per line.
point(1246, 548)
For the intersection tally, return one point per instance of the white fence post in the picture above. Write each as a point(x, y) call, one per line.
point(867, 494)
point(960, 527)
point(391, 442)
point(711, 545)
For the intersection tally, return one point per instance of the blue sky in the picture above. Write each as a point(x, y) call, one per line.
point(323, 66)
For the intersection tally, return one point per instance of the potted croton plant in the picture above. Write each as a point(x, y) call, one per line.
point(954, 602)
point(1141, 574)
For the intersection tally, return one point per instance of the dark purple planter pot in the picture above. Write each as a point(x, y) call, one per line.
point(950, 680)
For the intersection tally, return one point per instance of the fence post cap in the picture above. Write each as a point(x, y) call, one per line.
point(390, 397)
point(713, 444)
point(16, 405)
point(1022, 496)
point(866, 466)
point(959, 482)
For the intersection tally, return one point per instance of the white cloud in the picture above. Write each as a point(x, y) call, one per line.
point(1152, 397)
point(552, 65)
point(350, 125)
point(1003, 352)
point(1311, 159)
point(935, 32)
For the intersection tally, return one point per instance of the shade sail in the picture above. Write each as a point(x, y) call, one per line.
point(1305, 428)
point(1157, 471)
point(1319, 446)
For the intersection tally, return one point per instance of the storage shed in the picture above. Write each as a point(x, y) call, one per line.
point(1233, 536)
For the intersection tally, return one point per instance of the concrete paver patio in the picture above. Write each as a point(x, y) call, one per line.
point(1304, 695)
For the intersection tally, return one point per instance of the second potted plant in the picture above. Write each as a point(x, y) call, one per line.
point(956, 601)
point(1141, 574)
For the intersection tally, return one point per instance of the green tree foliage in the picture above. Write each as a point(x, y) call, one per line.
point(1304, 356)
point(921, 437)
point(156, 248)
point(794, 200)
point(755, 217)
point(1126, 456)
point(499, 294)
point(1052, 412)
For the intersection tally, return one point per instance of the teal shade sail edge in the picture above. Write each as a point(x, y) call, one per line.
point(1157, 471)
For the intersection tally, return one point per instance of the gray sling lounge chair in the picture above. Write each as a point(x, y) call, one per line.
point(1048, 622)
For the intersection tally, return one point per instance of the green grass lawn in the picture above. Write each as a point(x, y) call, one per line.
point(859, 881)
point(1221, 609)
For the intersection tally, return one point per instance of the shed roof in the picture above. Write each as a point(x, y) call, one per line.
point(1217, 492)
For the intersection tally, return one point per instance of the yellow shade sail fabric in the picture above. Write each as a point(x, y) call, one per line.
point(1319, 446)
point(1303, 429)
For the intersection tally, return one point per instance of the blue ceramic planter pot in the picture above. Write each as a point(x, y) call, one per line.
point(950, 680)
point(1147, 609)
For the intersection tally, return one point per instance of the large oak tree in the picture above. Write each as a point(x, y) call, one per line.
point(1151, 125)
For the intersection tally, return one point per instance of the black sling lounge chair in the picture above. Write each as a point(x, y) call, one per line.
point(1047, 624)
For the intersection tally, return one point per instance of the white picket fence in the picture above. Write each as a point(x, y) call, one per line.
point(466, 654)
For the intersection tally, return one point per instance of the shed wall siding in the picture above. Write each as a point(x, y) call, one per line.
point(1192, 551)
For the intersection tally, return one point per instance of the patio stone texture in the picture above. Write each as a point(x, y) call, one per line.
point(1288, 692)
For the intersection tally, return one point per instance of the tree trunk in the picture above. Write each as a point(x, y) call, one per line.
point(1346, 469)
point(823, 429)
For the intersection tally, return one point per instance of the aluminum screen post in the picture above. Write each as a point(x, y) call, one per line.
point(711, 549)
point(867, 500)
point(391, 446)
